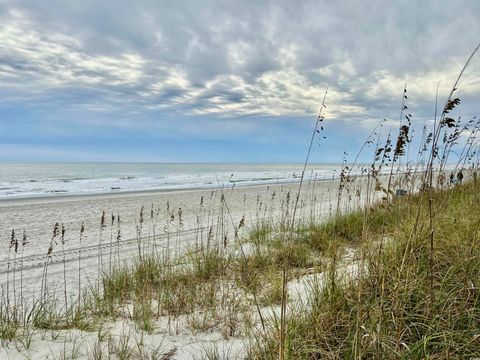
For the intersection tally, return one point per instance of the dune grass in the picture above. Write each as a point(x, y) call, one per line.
point(388, 310)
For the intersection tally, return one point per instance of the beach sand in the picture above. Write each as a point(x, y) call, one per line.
point(180, 219)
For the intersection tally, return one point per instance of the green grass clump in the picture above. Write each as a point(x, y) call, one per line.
point(176, 288)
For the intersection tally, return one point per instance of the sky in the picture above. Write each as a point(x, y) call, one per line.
point(222, 81)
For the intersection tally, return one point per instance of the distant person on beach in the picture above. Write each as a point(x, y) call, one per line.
point(452, 179)
point(459, 177)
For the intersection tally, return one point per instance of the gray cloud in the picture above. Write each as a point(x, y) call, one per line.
point(234, 58)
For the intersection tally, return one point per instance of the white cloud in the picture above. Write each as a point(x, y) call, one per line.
point(233, 60)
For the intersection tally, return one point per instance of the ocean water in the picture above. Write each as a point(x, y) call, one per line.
point(54, 179)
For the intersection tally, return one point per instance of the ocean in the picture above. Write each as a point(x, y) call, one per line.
point(57, 179)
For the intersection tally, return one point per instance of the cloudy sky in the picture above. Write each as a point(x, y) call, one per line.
point(117, 80)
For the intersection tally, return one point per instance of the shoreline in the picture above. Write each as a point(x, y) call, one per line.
point(29, 181)
point(62, 197)
point(114, 193)
point(139, 192)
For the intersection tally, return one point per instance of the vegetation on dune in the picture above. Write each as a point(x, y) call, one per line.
point(387, 311)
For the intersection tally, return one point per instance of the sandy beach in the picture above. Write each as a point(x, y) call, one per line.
point(173, 219)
